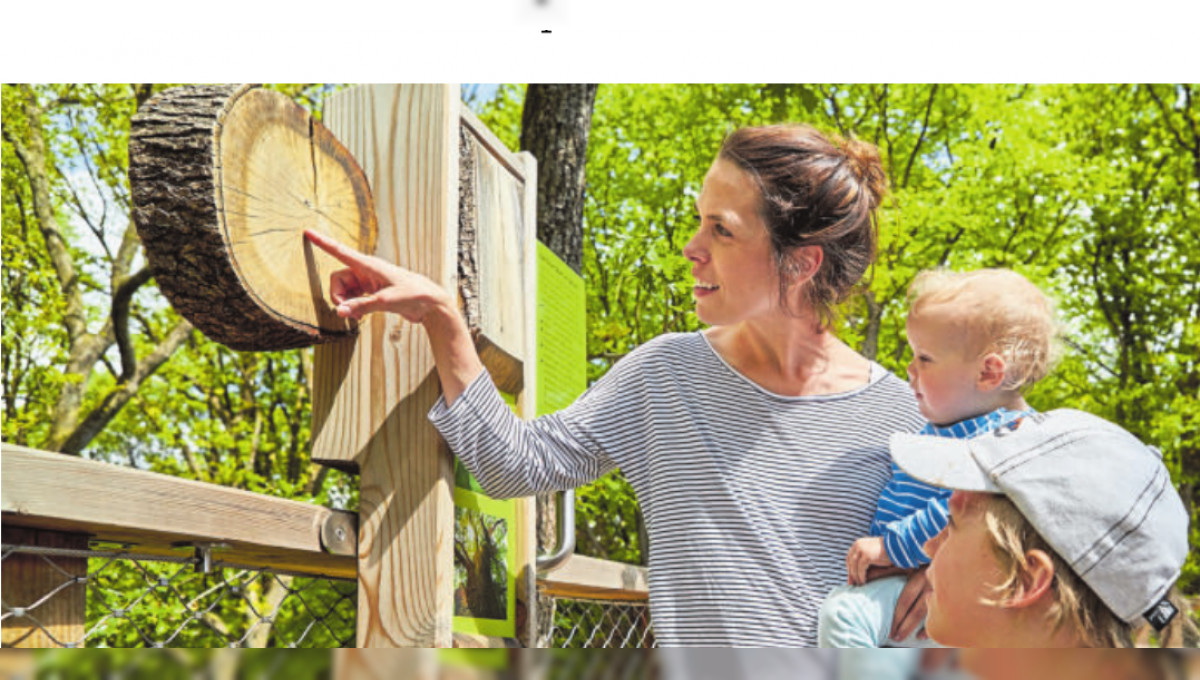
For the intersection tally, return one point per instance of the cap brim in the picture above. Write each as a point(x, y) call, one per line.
point(940, 461)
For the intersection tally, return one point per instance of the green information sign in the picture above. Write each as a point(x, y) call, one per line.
point(484, 585)
point(561, 333)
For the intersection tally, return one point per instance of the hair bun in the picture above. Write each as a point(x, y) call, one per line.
point(865, 162)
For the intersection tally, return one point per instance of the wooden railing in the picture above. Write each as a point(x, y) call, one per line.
point(59, 503)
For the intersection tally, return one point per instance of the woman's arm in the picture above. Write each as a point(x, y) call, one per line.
point(912, 607)
point(508, 457)
point(369, 284)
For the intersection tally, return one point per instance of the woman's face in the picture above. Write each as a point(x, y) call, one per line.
point(732, 264)
point(962, 574)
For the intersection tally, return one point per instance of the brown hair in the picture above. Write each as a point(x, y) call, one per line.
point(817, 190)
point(1075, 605)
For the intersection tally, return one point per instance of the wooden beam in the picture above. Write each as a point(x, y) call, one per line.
point(49, 618)
point(526, 540)
point(512, 162)
point(371, 396)
point(152, 511)
point(589, 578)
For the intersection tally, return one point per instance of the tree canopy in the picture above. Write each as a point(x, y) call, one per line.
point(1092, 192)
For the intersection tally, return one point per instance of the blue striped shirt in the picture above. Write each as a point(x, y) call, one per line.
point(911, 512)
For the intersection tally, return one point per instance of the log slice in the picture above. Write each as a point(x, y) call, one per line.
point(224, 181)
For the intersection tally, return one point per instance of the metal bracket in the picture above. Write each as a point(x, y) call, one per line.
point(203, 553)
point(339, 533)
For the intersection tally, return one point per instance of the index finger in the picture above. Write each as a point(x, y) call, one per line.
point(344, 254)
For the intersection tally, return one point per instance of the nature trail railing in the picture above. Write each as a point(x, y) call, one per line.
point(103, 555)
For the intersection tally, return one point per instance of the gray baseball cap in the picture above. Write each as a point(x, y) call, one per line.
point(1101, 498)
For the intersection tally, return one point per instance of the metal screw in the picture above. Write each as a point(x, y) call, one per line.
point(340, 532)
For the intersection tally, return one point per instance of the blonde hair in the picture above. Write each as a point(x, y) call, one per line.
point(1004, 314)
point(1075, 605)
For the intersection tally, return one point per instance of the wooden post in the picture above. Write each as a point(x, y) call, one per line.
point(269, 170)
point(371, 395)
point(29, 579)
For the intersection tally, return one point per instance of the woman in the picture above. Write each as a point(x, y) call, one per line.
point(758, 447)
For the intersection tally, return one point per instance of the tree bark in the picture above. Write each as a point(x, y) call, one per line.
point(224, 181)
point(555, 124)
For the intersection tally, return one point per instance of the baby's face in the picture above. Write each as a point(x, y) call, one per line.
point(944, 371)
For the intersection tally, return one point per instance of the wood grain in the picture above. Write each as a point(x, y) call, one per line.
point(223, 180)
point(152, 511)
point(371, 396)
point(588, 577)
point(29, 579)
point(527, 405)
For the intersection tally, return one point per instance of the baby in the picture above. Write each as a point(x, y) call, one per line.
point(978, 339)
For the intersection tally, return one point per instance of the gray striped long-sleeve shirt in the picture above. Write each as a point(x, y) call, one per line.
point(751, 499)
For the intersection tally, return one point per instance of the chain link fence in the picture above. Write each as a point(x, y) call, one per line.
point(601, 623)
point(142, 600)
point(190, 600)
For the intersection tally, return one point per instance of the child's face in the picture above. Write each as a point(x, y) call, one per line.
point(943, 372)
point(962, 574)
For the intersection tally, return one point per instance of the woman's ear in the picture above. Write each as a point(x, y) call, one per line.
point(991, 374)
point(803, 263)
point(1036, 580)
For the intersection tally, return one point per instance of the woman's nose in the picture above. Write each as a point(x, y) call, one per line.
point(694, 250)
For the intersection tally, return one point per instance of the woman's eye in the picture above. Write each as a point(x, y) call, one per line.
point(923, 359)
point(722, 231)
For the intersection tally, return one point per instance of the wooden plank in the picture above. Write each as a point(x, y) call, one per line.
point(30, 584)
point(152, 511)
point(369, 664)
point(512, 162)
point(371, 396)
point(527, 405)
point(495, 227)
point(498, 204)
point(589, 578)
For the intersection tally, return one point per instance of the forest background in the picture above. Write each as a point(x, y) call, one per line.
point(1093, 192)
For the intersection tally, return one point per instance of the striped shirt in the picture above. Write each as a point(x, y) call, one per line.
point(911, 512)
point(751, 499)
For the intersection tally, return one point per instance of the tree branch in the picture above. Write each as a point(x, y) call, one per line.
point(921, 139)
point(122, 298)
point(33, 158)
point(115, 400)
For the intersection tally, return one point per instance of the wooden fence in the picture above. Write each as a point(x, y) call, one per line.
point(65, 506)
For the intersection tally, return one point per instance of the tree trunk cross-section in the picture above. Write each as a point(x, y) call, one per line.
point(225, 179)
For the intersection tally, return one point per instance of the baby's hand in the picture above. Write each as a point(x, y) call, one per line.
point(865, 552)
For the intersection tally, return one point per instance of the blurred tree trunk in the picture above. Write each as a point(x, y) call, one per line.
point(554, 128)
point(555, 124)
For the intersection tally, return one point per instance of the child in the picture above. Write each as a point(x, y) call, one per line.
point(978, 339)
point(1065, 531)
